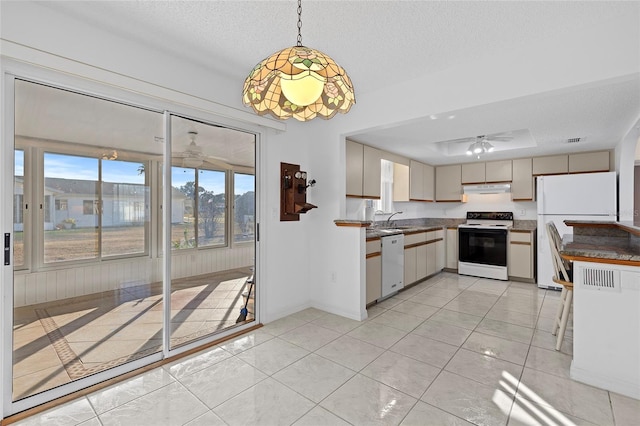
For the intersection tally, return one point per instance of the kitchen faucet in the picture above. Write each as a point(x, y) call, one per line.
point(389, 218)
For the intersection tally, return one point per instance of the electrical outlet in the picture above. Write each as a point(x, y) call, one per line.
point(334, 276)
point(523, 212)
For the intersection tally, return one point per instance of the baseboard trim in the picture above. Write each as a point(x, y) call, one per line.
point(613, 384)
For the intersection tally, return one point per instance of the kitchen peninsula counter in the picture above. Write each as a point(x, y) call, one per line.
point(606, 304)
point(602, 242)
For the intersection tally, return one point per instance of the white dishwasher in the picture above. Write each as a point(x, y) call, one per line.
point(392, 264)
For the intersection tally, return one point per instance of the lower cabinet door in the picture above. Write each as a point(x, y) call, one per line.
point(440, 255)
point(520, 264)
point(410, 265)
point(431, 258)
point(421, 262)
point(374, 278)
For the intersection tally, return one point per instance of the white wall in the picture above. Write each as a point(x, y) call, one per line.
point(522, 210)
point(624, 159)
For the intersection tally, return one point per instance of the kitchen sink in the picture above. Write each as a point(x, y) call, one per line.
point(390, 231)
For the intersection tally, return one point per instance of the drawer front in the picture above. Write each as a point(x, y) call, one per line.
point(520, 237)
point(415, 238)
point(374, 246)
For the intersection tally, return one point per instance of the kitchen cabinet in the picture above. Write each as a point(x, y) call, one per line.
point(421, 262)
point(521, 262)
point(354, 163)
point(410, 265)
point(589, 162)
point(440, 250)
point(373, 270)
point(449, 183)
point(498, 171)
point(371, 172)
point(431, 253)
point(551, 165)
point(421, 181)
point(416, 181)
point(522, 184)
point(473, 173)
point(429, 182)
point(400, 182)
point(451, 261)
point(374, 277)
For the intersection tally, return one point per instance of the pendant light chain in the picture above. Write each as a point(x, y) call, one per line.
point(298, 82)
point(299, 23)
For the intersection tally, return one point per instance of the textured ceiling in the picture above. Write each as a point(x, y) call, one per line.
point(372, 40)
point(380, 43)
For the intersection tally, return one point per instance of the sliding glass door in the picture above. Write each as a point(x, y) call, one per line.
point(205, 298)
point(83, 275)
point(133, 238)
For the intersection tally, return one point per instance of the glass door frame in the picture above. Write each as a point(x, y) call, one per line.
point(54, 79)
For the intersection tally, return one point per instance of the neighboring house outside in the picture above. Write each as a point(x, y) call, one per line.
point(74, 203)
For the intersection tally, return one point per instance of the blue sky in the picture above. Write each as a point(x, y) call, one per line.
point(84, 168)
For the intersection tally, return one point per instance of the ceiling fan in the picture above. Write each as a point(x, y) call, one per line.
point(193, 156)
point(481, 144)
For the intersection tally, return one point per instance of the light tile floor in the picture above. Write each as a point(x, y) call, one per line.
point(428, 356)
point(57, 342)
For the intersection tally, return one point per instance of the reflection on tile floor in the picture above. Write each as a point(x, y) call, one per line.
point(435, 366)
point(57, 342)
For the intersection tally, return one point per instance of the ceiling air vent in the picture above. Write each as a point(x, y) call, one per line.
point(574, 140)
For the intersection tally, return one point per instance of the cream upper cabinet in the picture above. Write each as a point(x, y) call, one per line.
point(400, 182)
point(429, 182)
point(589, 162)
point(416, 181)
point(498, 171)
point(449, 183)
point(551, 165)
point(473, 173)
point(371, 172)
point(521, 255)
point(421, 181)
point(522, 184)
point(355, 159)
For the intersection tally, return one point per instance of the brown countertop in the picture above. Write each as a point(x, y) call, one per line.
point(429, 224)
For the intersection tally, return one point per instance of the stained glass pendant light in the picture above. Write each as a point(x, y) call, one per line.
point(298, 82)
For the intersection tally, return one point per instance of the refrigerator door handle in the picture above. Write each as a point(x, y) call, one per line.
point(540, 194)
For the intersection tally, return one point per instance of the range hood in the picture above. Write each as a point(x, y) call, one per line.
point(496, 188)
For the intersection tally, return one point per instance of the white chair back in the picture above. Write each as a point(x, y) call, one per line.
point(560, 266)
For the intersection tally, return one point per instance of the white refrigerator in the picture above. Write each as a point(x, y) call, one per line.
point(587, 196)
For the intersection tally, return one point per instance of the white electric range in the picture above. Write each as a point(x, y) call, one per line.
point(483, 243)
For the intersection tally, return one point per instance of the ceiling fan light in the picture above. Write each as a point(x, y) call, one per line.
point(477, 149)
point(192, 162)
